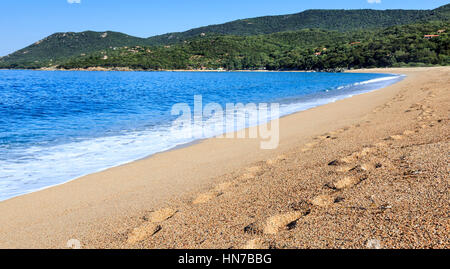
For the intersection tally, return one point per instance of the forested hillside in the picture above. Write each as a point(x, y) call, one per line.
point(61, 46)
point(299, 50)
point(339, 20)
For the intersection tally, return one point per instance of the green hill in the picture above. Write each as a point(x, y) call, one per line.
point(60, 47)
point(339, 20)
point(308, 49)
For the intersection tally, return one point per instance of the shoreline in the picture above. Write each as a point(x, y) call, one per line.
point(197, 141)
point(108, 202)
point(126, 69)
point(120, 69)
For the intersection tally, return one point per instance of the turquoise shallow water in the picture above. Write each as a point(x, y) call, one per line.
point(57, 126)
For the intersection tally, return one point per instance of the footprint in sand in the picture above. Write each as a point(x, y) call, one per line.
point(364, 152)
point(216, 192)
point(161, 215)
point(141, 233)
point(348, 160)
point(344, 164)
point(357, 155)
point(346, 182)
point(283, 221)
point(151, 227)
point(323, 200)
point(206, 197)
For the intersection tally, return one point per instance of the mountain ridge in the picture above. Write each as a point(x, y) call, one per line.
point(311, 19)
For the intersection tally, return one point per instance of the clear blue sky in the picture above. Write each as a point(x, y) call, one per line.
point(25, 21)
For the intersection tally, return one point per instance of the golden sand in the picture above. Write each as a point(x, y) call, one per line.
point(371, 168)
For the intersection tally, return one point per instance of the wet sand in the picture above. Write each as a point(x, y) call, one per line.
point(368, 171)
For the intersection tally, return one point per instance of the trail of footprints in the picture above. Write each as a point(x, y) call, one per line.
point(350, 167)
point(344, 166)
point(398, 98)
point(273, 225)
point(153, 223)
point(288, 220)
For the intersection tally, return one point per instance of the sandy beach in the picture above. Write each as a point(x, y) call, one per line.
point(365, 172)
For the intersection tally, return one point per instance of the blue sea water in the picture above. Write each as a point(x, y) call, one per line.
point(57, 126)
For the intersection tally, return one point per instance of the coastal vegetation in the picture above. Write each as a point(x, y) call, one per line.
point(59, 47)
point(333, 20)
point(309, 49)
